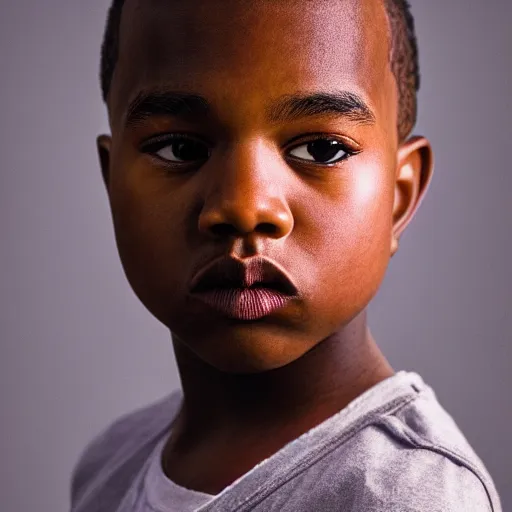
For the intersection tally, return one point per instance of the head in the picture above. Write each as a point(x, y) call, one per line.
point(259, 127)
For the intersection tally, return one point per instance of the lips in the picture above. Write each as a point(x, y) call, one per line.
point(243, 289)
point(257, 272)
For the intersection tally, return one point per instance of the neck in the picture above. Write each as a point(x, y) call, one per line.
point(312, 388)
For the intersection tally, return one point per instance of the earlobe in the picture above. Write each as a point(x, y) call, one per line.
point(413, 176)
point(104, 144)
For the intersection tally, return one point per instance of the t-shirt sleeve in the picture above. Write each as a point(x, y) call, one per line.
point(430, 482)
point(113, 457)
point(92, 458)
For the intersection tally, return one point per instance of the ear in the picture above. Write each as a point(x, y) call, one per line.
point(104, 144)
point(413, 175)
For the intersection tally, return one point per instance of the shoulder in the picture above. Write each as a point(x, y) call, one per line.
point(426, 462)
point(128, 439)
point(420, 480)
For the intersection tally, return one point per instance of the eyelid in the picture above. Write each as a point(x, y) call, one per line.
point(162, 137)
point(169, 137)
point(348, 145)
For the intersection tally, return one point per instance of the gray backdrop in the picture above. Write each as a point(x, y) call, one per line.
point(78, 349)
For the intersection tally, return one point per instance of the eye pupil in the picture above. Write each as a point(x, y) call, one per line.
point(189, 150)
point(324, 150)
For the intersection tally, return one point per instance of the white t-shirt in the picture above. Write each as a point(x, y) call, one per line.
point(394, 448)
point(161, 494)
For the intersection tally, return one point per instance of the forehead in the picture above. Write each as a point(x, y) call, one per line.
point(253, 50)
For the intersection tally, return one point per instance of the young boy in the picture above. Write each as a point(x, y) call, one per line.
point(260, 175)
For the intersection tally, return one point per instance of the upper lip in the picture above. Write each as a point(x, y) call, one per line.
point(228, 272)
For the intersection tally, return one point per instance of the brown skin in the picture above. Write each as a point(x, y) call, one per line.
point(252, 387)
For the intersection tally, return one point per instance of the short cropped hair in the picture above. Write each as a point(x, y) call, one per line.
point(403, 58)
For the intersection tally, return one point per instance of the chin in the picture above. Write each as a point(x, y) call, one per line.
point(247, 351)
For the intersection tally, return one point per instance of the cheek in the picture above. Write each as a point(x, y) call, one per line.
point(356, 213)
point(146, 203)
point(370, 207)
point(147, 222)
point(354, 234)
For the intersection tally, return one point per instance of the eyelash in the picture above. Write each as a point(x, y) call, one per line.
point(157, 143)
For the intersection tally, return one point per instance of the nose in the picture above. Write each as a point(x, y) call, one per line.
point(245, 194)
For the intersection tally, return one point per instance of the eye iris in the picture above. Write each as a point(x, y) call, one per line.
point(189, 150)
point(324, 150)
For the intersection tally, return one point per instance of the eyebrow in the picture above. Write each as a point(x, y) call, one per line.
point(287, 108)
point(165, 103)
point(296, 106)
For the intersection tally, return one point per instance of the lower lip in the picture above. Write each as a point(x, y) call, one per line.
point(244, 303)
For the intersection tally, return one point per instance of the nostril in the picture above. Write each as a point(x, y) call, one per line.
point(268, 228)
point(223, 230)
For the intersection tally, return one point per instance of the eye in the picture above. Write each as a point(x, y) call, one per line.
point(321, 150)
point(177, 148)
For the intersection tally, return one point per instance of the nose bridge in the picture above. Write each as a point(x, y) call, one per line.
point(246, 191)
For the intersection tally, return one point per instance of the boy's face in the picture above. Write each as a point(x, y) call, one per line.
point(259, 192)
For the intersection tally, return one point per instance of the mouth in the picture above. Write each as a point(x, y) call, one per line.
point(244, 290)
point(278, 287)
point(230, 273)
